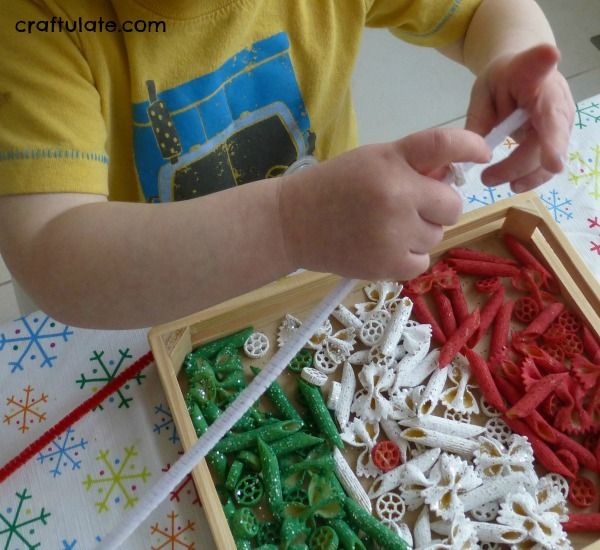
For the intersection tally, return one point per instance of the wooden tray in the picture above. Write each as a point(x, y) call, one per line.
point(524, 216)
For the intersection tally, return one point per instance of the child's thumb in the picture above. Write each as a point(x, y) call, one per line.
point(431, 150)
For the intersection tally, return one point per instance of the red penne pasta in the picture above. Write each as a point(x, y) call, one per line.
point(488, 313)
point(543, 453)
point(569, 460)
point(585, 457)
point(471, 254)
point(487, 386)
point(536, 422)
point(542, 359)
point(520, 252)
point(445, 311)
point(545, 318)
point(590, 344)
point(507, 369)
point(422, 313)
point(501, 329)
point(582, 523)
point(536, 393)
point(459, 338)
point(459, 304)
point(484, 269)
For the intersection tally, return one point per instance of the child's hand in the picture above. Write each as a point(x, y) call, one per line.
point(529, 80)
point(371, 213)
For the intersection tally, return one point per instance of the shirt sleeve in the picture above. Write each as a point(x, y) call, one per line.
point(423, 22)
point(52, 132)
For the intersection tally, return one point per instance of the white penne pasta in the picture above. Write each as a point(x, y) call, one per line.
point(444, 425)
point(422, 529)
point(491, 490)
point(433, 390)
point(390, 480)
point(403, 531)
point(395, 326)
point(494, 532)
point(334, 395)
point(344, 404)
point(349, 480)
point(346, 317)
point(313, 376)
point(392, 430)
point(430, 438)
point(441, 527)
point(412, 373)
point(386, 482)
point(426, 460)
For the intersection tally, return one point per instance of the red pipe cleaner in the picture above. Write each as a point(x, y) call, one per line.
point(76, 414)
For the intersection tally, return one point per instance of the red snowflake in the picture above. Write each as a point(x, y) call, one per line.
point(594, 222)
point(186, 486)
point(171, 534)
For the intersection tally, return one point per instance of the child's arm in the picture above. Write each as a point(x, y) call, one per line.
point(369, 213)
point(510, 46)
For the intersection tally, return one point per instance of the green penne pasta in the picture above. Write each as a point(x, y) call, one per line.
point(295, 442)
point(348, 538)
point(270, 432)
point(236, 340)
point(280, 400)
point(271, 476)
point(361, 519)
point(316, 405)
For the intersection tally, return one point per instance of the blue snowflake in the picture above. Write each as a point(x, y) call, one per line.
point(66, 545)
point(29, 341)
point(584, 113)
point(63, 450)
point(107, 371)
point(559, 208)
point(166, 422)
point(20, 527)
point(489, 195)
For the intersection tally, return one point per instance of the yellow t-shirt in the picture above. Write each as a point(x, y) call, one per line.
point(200, 96)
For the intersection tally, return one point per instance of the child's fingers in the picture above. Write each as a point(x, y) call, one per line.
point(531, 181)
point(538, 85)
point(529, 69)
point(428, 235)
point(436, 202)
point(432, 149)
point(553, 120)
point(522, 161)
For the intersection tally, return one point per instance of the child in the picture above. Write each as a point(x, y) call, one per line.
point(110, 107)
